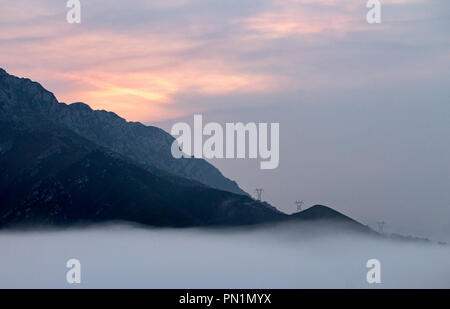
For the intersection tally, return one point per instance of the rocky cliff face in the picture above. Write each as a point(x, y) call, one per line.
point(25, 101)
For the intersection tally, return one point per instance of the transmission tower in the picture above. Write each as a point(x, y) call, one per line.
point(381, 226)
point(299, 205)
point(259, 192)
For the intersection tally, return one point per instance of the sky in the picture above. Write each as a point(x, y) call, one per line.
point(364, 109)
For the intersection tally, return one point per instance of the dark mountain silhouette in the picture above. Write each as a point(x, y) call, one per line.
point(63, 164)
point(321, 212)
point(28, 102)
point(56, 177)
point(324, 213)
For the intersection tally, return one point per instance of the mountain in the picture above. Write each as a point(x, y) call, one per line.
point(28, 102)
point(63, 164)
point(67, 164)
point(327, 214)
point(321, 212)
point(52, 176)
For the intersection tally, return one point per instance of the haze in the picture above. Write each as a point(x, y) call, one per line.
point(282, 257)
point(363, 109)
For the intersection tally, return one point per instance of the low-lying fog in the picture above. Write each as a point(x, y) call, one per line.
point(121, 256)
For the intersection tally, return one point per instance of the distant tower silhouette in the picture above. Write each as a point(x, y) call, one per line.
point(299, 205)
point(259, 192)
point(381, 226)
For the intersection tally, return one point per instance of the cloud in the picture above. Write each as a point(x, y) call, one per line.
point(293, 18)
point(282, 257)
point(140, 60)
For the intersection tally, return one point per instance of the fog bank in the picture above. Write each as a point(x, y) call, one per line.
point(121, 256)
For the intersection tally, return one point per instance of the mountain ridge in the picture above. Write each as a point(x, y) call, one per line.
point(55, 177)
point(60, 166)
point(148, 145)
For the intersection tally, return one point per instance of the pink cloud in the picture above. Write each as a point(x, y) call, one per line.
point(140, 72)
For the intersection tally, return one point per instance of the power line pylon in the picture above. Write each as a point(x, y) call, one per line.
point(381, 226)
point(259, 192)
